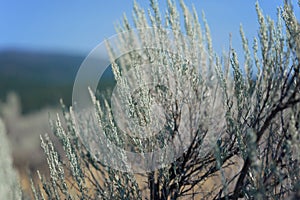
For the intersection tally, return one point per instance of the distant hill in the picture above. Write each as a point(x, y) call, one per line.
point(40, 79)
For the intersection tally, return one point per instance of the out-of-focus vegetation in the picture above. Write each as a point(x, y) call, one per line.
point(9, 182)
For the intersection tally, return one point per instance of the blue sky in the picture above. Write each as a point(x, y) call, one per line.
point(78, 26)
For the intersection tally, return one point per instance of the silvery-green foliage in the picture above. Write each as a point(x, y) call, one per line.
point(252, 107)
point(9, 182)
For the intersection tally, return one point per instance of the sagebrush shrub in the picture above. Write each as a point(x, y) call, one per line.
point(244, 118)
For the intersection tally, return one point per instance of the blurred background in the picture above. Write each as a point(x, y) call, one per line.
point(43, 43)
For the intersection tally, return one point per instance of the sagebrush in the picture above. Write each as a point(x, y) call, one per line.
point(252, 108)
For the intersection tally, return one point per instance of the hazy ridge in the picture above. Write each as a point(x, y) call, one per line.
point(39, 78)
